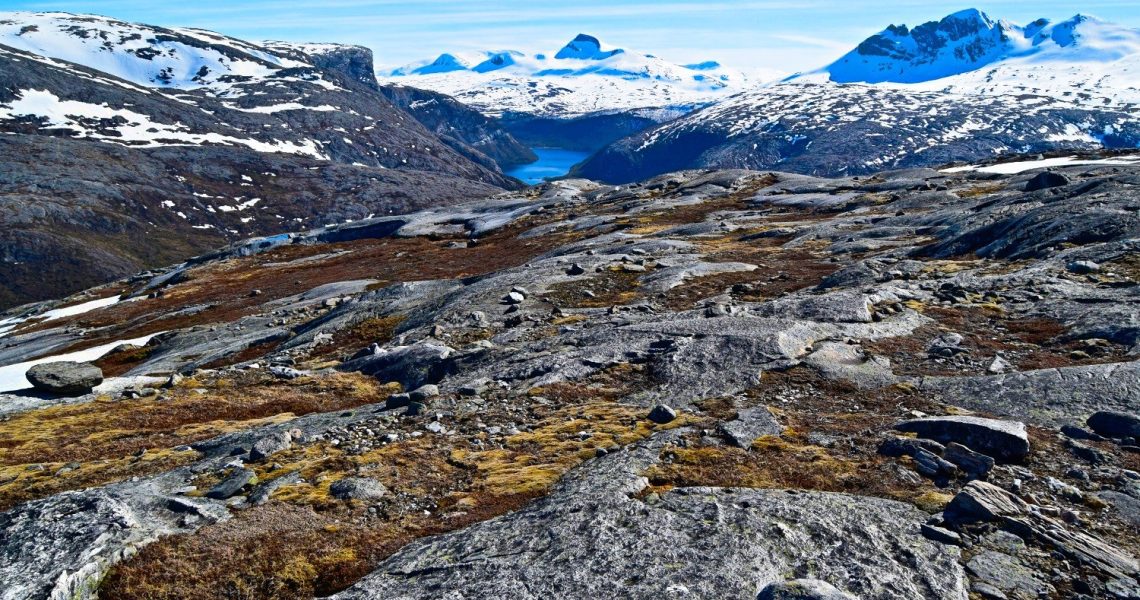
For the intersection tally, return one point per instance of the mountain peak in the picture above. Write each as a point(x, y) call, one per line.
point(586, 47)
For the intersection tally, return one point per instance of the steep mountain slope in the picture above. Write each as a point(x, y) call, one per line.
point(190, 138)
point(461, 127)
point(965, 88)
point(696, 386)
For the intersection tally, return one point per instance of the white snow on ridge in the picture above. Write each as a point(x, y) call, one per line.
point(1013, 168)
point(1082, 59)
point(139, 130)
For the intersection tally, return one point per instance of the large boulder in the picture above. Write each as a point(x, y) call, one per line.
point(1115, 424)
point(1046, 180)
point(1005, 441)
point(65, 378)
point(358, 488)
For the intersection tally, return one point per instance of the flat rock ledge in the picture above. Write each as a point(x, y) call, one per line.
point(593, 537)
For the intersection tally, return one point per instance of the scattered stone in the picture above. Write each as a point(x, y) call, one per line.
point(281, 372)
point(397, 401)
point(1046, 180)
point(947, 345)
point(270, 444)
point(232, 484)
point(415, 409)
point(662, 414)
point(358, 488)
point(999, 365)
point(1005, 441)
point(1114, 424)
point(974, 464)
point(750, 424)
point(802, 589)
point(1082, 267)
point(424, 393)
point(575, 269)
point(514, 298)
point(65, 378)
point(940, 535)
point(1065, 490)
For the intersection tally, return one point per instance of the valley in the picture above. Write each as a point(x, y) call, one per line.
point(278, 323)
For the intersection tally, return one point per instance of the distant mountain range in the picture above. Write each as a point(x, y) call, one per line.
point(964, 88)
point(584, 77)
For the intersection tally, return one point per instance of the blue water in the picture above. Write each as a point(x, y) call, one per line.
point(552, 162)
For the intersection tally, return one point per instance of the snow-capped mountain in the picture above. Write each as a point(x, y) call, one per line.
point(127, 145)
point(964, 88)
point(583, 77)
point(969, 52)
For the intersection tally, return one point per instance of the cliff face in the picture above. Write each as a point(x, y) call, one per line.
point(463, 128)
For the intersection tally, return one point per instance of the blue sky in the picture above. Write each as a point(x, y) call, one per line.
point(779, 34)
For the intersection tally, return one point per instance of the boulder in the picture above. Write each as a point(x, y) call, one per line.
point(662, 414)
point(1046, 180)
point(1115, 424)
point(1005, 441)
point(357, 488)
point(1082, 267)
point(981, 501)
point(270, 444)
point(65, 378)
point(424, 393)
point(232, 484)
point(974, 464)
point(802, 589)
point(750, 424)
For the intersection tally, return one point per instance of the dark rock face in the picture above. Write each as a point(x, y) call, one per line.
point(463, 128)
point(770, 129)
point(587, 133)
point(1002, 440)
point(65, 378)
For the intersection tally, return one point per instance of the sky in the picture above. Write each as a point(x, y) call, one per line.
point(760, 35)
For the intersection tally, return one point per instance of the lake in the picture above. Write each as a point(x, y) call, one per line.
point(552, 162)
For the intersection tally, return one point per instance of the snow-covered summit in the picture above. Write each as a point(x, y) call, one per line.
point(970, 40)
point(151, 56)
point(586, 47)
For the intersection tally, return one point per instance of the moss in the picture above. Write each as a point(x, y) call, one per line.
point(532, 461)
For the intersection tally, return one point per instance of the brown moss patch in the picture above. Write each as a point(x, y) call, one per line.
point(1027, 343)
point(609, 288)
point(225, 287)
point(102, 438)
